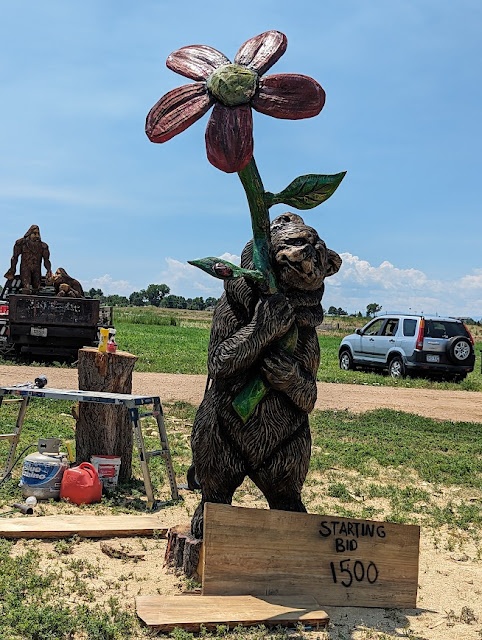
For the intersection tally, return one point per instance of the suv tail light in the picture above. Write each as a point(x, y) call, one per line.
point(3, 309)
point(421, 328)
point(468, 333)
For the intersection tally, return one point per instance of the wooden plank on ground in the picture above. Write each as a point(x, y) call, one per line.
point(100, 526)
point(339, 561)
point(190, 612)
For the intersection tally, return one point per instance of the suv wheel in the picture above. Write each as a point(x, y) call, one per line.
point(346, 361)
point(396, 368)
point(459, 349)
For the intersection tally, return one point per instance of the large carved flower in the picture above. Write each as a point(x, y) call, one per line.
point(233, 88)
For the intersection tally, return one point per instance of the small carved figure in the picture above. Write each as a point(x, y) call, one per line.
point(65, 285)
point(273, 446)
point(32, 251)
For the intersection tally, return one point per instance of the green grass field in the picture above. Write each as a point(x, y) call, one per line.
point(382, 465)
point(176, 341)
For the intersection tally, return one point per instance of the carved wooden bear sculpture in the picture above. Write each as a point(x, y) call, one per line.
point(66, 286)
point(273, 447)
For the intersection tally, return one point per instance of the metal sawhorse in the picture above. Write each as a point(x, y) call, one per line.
point(130, 401)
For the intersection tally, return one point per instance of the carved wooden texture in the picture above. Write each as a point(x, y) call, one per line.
point(262, 431)
point(105, 429)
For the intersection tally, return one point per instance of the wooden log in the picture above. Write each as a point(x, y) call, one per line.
point(179, 551)
point(191, 560)
point(183, 552)
point(105, 429)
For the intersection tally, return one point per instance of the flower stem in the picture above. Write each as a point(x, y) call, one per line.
point(253, 186)
point(251, 395)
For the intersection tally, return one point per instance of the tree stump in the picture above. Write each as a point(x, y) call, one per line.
point(105, 429)
point(184, 552)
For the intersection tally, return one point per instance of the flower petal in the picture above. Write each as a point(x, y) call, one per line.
point(176, 111)
point(229, 137)
point(290, 96)
point(261, 52)
point(196, 61)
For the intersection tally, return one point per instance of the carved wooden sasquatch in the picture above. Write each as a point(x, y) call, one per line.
point(273, 446)
point(65, 285)
point(32, 251)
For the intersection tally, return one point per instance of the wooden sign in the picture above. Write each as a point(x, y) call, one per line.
point(338, 561)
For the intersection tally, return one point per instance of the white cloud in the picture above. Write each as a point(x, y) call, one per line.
point(108, 285)
point(359, 283)
point(185, 280)
point(231, 257)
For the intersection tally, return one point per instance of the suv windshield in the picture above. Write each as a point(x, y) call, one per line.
point(444, 329)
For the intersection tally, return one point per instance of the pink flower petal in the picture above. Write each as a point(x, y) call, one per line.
point(176, 111)
point(196, 61)
point(229, 137)
point(261, 52)
point(290, 96)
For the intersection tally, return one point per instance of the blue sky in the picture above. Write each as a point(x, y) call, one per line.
point(402, 117)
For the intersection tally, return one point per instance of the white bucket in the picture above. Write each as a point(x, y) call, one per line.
point(107, 468)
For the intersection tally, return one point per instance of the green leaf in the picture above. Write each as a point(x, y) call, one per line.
point(306, 192)
point(225, 270)
point(249, 397)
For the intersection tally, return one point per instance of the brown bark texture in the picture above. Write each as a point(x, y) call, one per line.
point(105, 429)
point(183, 552)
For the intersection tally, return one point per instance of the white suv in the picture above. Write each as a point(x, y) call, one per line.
point(411, 343)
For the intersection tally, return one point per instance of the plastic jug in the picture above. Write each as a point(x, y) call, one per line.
point(81, 485)
point(104, 336)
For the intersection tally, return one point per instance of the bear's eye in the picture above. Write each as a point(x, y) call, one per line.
point(295, 242)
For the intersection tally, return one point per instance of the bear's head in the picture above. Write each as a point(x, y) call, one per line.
point(301, 257)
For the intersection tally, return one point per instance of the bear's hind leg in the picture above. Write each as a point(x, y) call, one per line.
point(282, 475)
point(221, 494)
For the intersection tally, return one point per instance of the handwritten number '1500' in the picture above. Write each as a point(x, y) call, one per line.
point(359, 573)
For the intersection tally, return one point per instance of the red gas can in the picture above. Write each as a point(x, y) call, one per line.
point(81, 485)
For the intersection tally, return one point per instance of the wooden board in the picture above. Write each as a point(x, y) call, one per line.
point(339, 561)
point(85, 526)
point(190, 612)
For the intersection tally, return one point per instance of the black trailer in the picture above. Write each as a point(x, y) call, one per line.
point(48, 325)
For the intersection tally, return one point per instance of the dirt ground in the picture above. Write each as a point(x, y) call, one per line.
point(464, 406)
point(450, 576)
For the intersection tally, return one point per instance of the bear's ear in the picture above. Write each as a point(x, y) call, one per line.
point(333, 263)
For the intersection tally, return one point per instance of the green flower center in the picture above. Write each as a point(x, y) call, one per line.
point(232, 84)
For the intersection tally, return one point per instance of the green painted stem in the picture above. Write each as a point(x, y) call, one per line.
point(253, 186)
point(251, 395)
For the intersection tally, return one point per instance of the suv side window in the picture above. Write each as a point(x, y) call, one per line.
point(374, 327)
point(409, 327)
point(390, 328)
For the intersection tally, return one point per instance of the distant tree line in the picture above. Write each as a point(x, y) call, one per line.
point(157, 295)
point(372, 309)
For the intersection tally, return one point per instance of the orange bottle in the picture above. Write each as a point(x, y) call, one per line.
point(81, 485)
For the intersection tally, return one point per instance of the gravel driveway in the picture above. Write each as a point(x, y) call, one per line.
point(464, 406)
